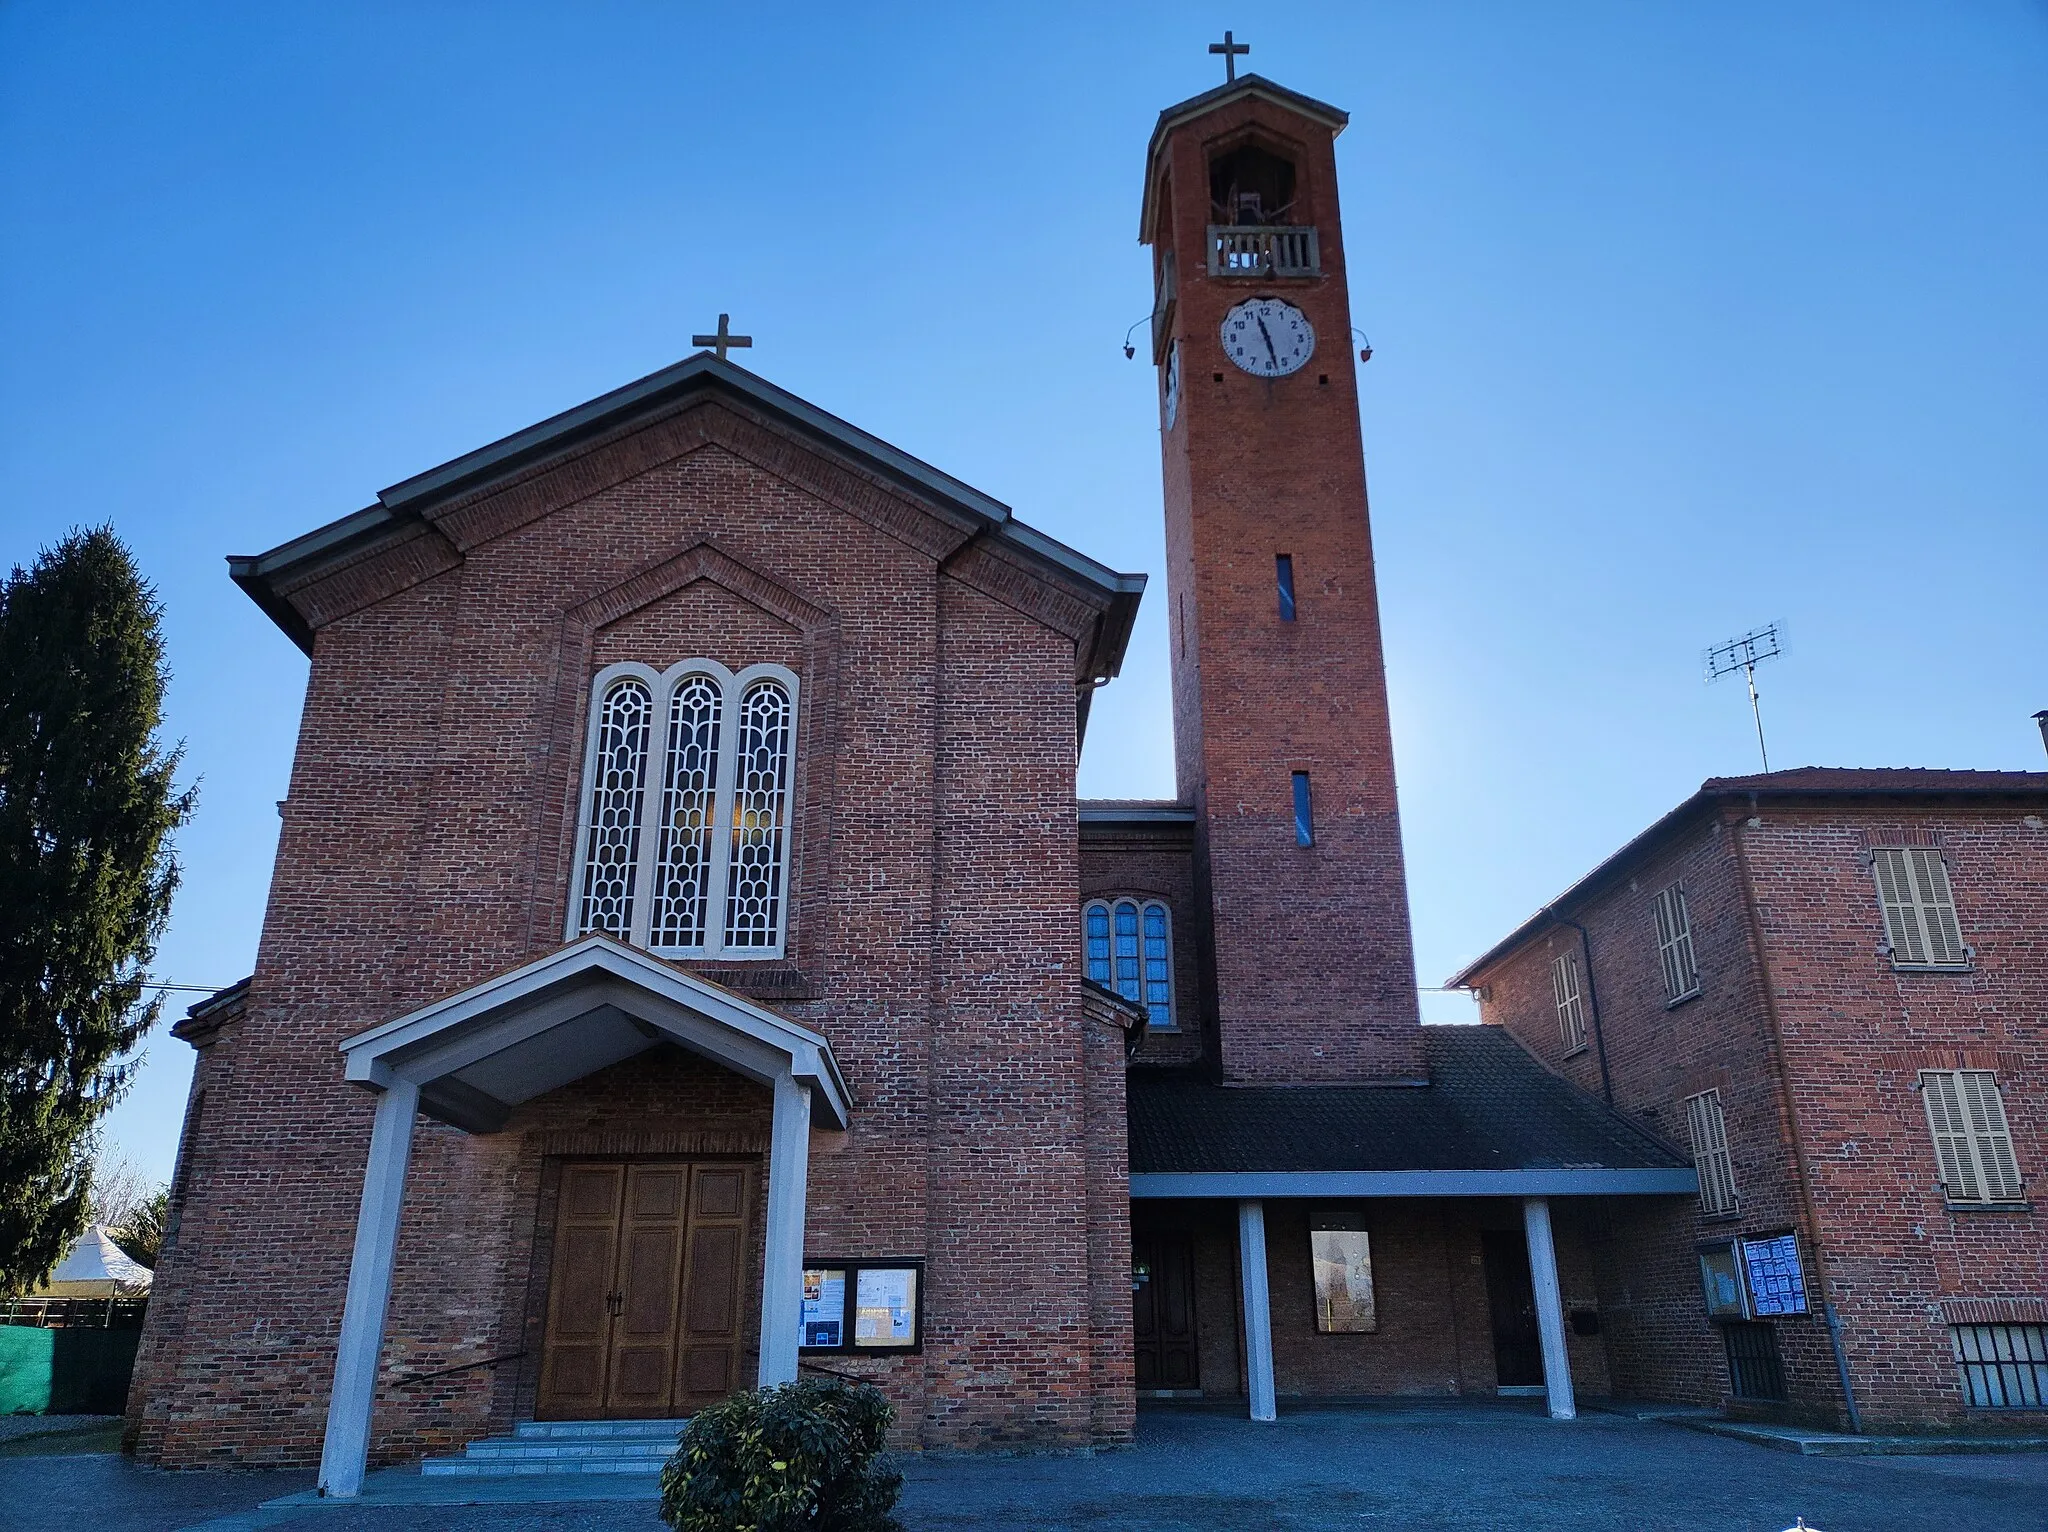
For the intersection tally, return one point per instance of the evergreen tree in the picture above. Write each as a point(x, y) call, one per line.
point(87, 807)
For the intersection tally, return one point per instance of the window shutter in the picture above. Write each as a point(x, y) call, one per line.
point(1710, 1157)
point(1901, 919)
point(1674, 943)
point(1571, 1016)
point(1984, 1111)
point(1951, 1135)
point(1937, 906)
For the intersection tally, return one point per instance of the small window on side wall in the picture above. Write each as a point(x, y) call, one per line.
point(1571, 1004)
point(1674, 943)
point(1972, 1140)
point(1919, 907)
point(1283, 571)
point(1127, 945)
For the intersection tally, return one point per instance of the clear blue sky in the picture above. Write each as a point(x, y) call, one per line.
point(1687, 318)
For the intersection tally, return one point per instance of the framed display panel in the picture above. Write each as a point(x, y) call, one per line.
point(1721, 1281)
point(863, 1307)
point(1771, 1269)
point(1340, 1253)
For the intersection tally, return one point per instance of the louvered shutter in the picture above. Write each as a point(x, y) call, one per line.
point(1945, 1120)
point(1710, 1157)
point(1895, 893)
point(1937, 906)
point(1564, 983)
point(1984, 1111)
point(1665, 936)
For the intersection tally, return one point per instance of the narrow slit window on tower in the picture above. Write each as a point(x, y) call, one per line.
point(1304, 816)
point(1283, 568)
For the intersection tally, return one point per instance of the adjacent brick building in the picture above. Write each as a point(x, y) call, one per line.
point(1829, 985)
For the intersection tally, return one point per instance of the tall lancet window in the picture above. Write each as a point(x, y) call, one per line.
point(618, 786)
point(684, 843)
point(760, 817)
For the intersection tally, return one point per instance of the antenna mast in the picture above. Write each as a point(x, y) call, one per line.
point(1743, 654)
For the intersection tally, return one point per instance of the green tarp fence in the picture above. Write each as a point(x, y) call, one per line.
point(65, 1371)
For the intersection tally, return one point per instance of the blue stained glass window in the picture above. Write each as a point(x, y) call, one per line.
point(1304, 818)
point(1283, 567)
point(1096, 933)
point(1127, 946)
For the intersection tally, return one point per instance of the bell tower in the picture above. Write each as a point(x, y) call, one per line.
point(1280, 707)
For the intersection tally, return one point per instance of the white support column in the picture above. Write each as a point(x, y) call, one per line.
point(1258, 1307)
point(782, 1276)
point(1557, 1366)
point(346, 1451)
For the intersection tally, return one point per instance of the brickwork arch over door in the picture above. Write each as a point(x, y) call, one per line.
point(647, 1291)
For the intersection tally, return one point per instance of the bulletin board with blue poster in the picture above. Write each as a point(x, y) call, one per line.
point(1777, 1285)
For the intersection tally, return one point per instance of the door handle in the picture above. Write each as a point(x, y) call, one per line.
point(613, 1302)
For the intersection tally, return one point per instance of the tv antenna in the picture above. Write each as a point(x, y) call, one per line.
point(1743, 654)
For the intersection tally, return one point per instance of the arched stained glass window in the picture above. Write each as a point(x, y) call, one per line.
point(1127, 946)
point(684, 841)
point(618, 785)
point(760, 794)
point(689, 804)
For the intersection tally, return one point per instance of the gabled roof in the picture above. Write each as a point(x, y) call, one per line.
point(1796, 784)
point(403, 507)
point(1244, 87)
point(1489, 1107)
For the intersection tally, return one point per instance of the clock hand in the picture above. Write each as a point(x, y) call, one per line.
point(1269, 343)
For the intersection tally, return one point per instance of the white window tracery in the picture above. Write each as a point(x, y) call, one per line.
point(683, 845)
point(1127, 946)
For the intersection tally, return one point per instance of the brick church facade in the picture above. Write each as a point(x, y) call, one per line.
point(687, 961)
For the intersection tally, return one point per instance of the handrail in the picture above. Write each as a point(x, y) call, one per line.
point(423, 1377)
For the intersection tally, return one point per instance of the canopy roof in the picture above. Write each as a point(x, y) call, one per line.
point(94, 1257)
point(584, 1007)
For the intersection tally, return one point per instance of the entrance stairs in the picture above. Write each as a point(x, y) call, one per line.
point(565, 1447)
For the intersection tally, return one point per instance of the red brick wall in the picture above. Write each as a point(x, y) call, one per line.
point(426, 846)
point(1854, 1035)
point(1313, 966)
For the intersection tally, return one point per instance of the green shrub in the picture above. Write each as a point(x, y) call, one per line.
point(800, 1455)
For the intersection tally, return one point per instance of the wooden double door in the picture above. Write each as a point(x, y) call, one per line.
point(647, 1295)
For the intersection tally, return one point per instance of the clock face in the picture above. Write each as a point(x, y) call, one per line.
point(1268, 338)
point(1172, 384)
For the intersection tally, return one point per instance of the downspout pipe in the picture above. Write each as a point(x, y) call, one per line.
point(1592, 999)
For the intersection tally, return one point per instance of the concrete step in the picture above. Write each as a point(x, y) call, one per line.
point(529, 1430)
point(564, 1447)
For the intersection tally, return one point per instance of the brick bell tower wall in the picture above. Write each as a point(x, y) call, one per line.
point(1313, 965)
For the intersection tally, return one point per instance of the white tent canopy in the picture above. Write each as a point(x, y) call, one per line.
point(96, 1267)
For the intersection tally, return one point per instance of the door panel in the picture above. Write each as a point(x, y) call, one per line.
point(575, 1357)
point(712, 1330)
point(1511, 1295)
point(650, 1271)
point(1163, 1312)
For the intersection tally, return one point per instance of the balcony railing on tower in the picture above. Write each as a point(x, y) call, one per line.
point(1263, 250)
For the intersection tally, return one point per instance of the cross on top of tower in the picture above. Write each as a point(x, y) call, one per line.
point(724, 340)
point(1230, 48)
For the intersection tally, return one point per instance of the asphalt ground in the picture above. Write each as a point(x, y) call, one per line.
point(1204, 1471)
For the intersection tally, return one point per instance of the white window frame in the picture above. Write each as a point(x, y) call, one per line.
point(1568, 989)
point(1707, 1125)
point(1142, 902)
point(1973, 1147)
point(1673, 918)
point(1922, 930)
point(662, 684)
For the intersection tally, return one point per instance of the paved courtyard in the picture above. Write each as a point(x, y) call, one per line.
point(1197, 1471)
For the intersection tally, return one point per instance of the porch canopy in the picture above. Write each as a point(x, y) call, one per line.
point(1490, 1122)
point(470, 1059)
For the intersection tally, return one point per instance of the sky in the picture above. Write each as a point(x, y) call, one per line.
point(1686, 319)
